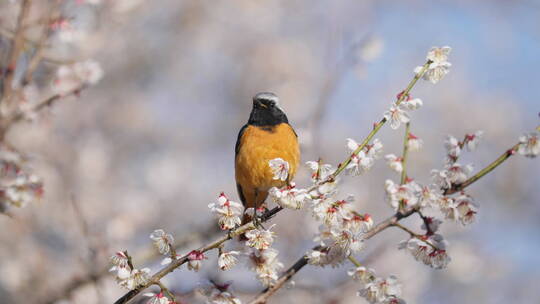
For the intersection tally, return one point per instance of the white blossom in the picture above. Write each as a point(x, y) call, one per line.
point(439, 65)
point(453, 148)
point(319, 172)
point(163, 241)
point(425, 253)
point(362, 274)
point(396, 115)
point(136, 278)
point(72, 77)
point(120, 259)
point(219, 294)
point(412, 103)
point(407, 194)
point(414, 143)
point(266, 265)
point(289, 196)
point(458, 174)
point(229, 213)
point(259, 238)
point(471, 140)
point(466, 209)
point(156, 298)
point(316, 257)
point(395, 163)
point(280, 169)
point(529, 145)
point(227, 260)
point(195, 259)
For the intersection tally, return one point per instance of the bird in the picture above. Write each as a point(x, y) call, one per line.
point(267, 135)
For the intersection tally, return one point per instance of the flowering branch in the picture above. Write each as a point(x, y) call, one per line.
point(267, 293)
point(379, 125)
point(250, 226)
point(486, 170)
point(389, 222)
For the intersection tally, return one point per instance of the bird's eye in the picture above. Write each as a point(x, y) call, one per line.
point(272, 103)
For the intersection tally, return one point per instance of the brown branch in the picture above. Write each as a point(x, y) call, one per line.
point(16, 47)
point(95, 276)
point(40, 47)
point(179, 262)
point(20, 114)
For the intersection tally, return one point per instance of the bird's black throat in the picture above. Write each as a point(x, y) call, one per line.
point(267, 117)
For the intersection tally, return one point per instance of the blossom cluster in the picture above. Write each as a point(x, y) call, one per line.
point(263, 259)
point(18, 186)
point(127, 276)
point(364, 159)
point(74, 77)
point(219, 294)
point(229, 213)
point(438, 65)
point(376, 289)
point(398, 112)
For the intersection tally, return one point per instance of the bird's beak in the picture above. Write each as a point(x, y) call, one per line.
point(262, 105)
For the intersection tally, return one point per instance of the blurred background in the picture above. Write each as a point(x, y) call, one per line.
point(151, 145)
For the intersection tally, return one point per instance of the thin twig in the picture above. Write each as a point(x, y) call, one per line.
point(415, 235)
point(379, 125)
point(405, 153)
point(40, 48)
point(14, 51)
point(483, 172)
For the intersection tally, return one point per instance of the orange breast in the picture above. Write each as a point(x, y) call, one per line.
point(259, 145)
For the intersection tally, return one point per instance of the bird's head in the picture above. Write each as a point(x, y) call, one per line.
point(266, 110)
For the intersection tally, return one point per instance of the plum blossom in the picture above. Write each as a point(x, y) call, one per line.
point(319, 171)
point(72, 77)
point(529, 145)
point(433, 255)
point(466, 209)
point(316, 257)
point(266, 265)
point(280, 169)
point(289, 196)
point(439, 65)
point(471, 140)
point(195, 259)
point(120, 262)
point(412, 103)
point(227, 260)
point(136, 278)
point(397, 115)
point(156, 298)
point(259, 238)
point(229, 213)
point(364, 159)
point(453, 147)
point(394, 162)
point(406, 193)
point(219, 294)
point(162, 241)
point(380, 290)
point(414, 143)
point(458, 174)
point(362, 274)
